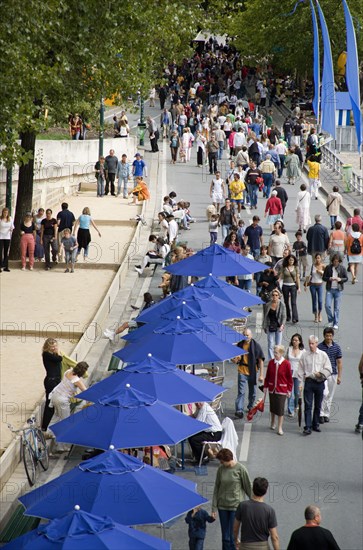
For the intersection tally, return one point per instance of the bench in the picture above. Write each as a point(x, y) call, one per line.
point(18, 525)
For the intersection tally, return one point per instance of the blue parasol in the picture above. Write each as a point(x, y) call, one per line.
point(218, 261)
point(116, 485)
point(227, 292)
point(126, 418)
point(158, 378)
point(80, 530)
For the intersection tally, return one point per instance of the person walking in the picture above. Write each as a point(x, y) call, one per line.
point(253, 177)
point(301, 252)
point(292, 164)
point(152, 128)
point(281, 194)
point(166, 122)
point(278, 383)
point(231, 486)
point(268, 170)
point(315, 283)
point(197, 521)
point(290, 278)
point(227, 218)
point(200, 142)
point(84, 235)
point(217, 191)
point(334, 352)
point(255, 521)
point(335, 275)
point(302, 208)
point(212, 149)
point(314, 176)
point(281, 150)
point(70, 247)
point(354, 248)
point(249, 364)
point(314, 368)
point(293, 355)
point(278, 243)
point(312, 536)
point(274, 320)
point(337, 240)
point(333, 203)
point(273, 210)
point(359, 426)
point(317, 237)
point(236, 189)
point(253, 237)
point(6, 231)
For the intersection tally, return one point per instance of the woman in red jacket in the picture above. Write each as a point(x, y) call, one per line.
point(273, 209)
point(278, 382)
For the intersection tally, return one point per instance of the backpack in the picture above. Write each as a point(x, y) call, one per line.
point(356, 247)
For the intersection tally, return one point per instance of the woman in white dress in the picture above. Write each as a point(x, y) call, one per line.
point(303, 208)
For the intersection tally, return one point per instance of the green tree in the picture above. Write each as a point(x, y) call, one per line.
point(59, 53)
point(270, 30)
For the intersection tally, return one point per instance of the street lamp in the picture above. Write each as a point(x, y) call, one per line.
point(102, 128)
point(141, 126)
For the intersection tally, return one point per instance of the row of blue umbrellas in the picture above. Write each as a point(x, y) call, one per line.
point(133, 409)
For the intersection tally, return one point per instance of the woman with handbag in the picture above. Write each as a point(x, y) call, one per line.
point(290, 278)
point(278, 383)
point(274, 319)
point(315, 282)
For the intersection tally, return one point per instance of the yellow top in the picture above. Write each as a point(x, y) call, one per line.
point(236, 188)
point(243, 365)
point(314, 169)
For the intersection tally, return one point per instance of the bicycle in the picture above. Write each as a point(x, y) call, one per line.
point(33, 449)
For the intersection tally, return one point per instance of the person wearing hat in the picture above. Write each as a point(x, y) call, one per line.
point(138, 168)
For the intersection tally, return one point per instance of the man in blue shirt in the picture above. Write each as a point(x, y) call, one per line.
point(138, 167)
point(334, 353)
point(253, 236)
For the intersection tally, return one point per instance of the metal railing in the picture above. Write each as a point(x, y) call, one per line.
point(334, 163)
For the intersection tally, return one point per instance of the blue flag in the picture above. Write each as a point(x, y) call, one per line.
point(316, 103)
point(328, 100)
point(352, 73)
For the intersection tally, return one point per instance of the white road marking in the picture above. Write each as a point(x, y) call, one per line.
point(245, 445)
point(258, 322)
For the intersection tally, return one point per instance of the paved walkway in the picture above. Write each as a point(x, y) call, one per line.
point(39, 304)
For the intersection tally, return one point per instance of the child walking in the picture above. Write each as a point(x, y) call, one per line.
point(197, 520)
point(213, 228)
point(70, 247)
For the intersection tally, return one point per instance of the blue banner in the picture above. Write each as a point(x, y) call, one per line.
point(352, 73)
point(328, 101)
point(316, 102)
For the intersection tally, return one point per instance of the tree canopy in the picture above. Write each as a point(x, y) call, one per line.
point(284, 34)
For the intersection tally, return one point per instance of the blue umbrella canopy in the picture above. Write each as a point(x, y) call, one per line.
point(194, 316)
point(215, 260)
point(200, 300)
point(80, 530)
point(116, 485)
point(127, 418)
point(227, 292)
point(181, 343)
point(158, 378)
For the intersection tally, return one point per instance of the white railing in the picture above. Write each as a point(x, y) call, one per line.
point(334, 163)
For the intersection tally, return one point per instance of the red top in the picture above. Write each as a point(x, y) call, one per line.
point(279, 380)
point(273, 206)
point(355, 219)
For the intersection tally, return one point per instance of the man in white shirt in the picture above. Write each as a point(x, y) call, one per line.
point(239, 140)
point(205, 413)
point(281, 150)
point(314, 369)
point(173, 229)
point(278, 243)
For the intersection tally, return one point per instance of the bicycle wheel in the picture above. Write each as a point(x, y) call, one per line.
point(29, 462)
point(43, 457)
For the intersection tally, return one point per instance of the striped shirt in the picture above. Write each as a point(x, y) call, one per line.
point(334, 352)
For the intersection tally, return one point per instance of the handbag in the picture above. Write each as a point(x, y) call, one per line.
point(264, 295)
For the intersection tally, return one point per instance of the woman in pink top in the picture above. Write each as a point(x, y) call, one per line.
point(273, 210)
point(337, 240)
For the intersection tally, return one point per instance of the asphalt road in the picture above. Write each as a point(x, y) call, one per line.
point(324, 469)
